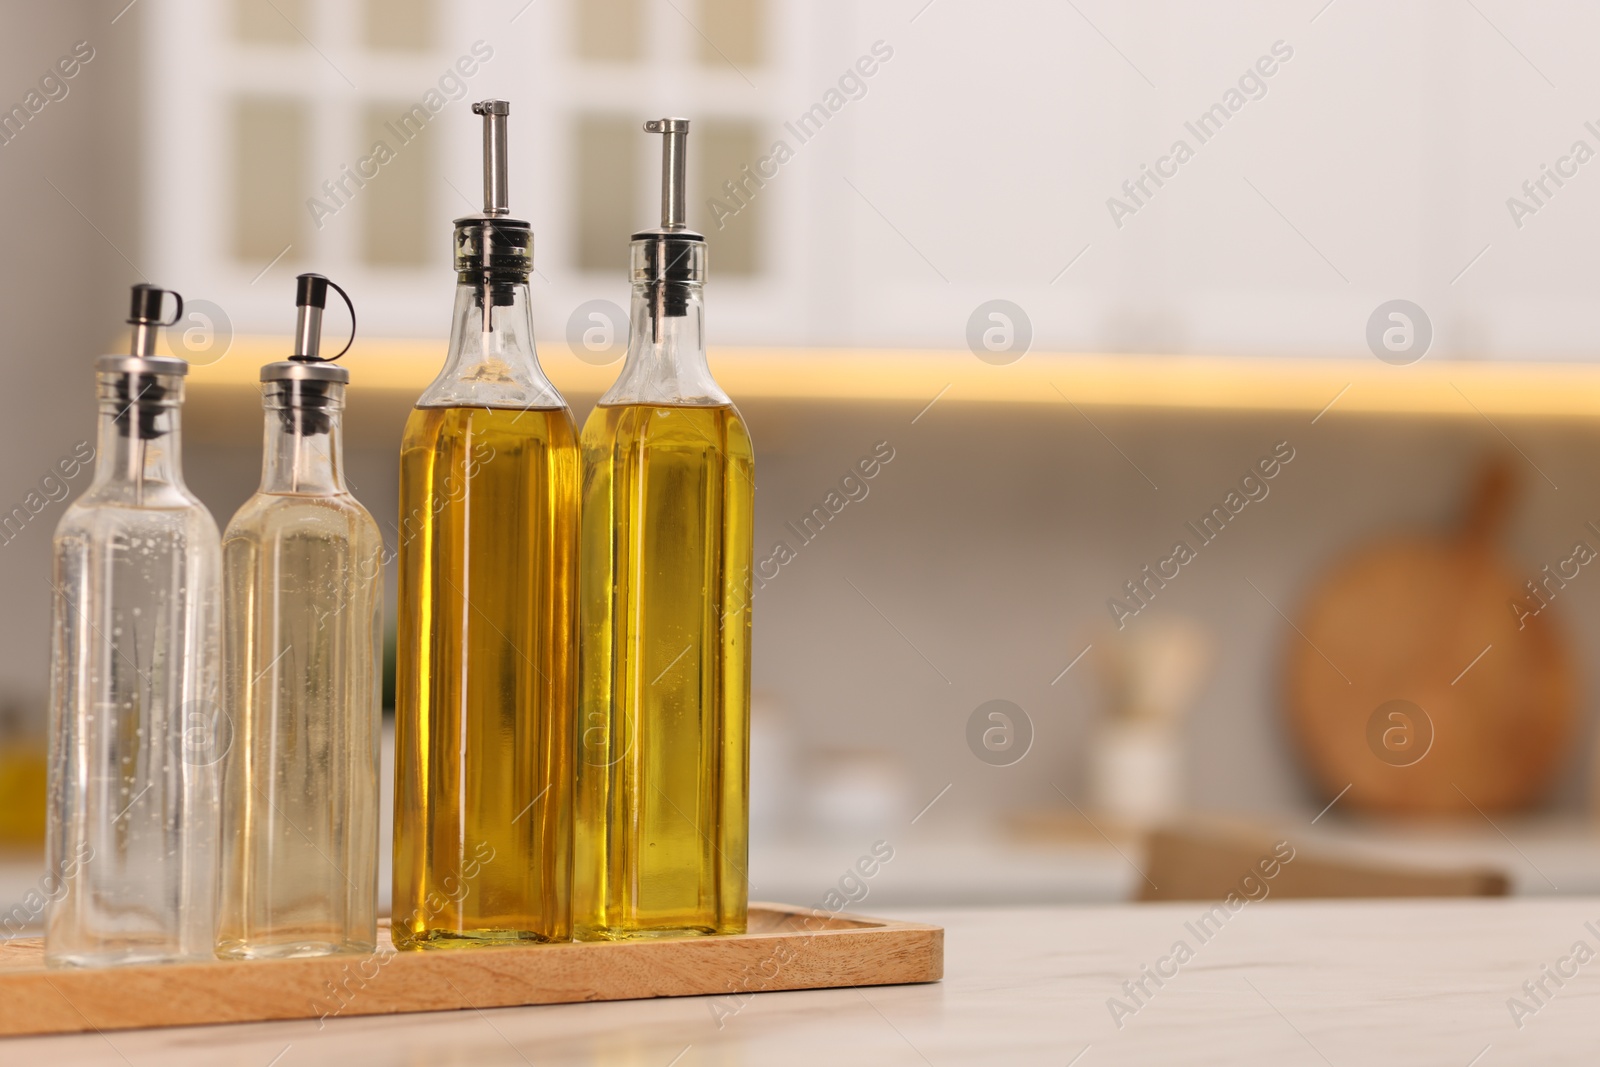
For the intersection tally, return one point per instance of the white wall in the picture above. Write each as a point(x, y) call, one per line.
point(980, 160)
point(68, 188)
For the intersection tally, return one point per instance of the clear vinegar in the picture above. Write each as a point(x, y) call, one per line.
point(484, 747)
point(136, 727)
point(661, 809)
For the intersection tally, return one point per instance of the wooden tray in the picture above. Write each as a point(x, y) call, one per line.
point(787, 948)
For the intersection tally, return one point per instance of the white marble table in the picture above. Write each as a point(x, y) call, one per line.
point(1280, 983)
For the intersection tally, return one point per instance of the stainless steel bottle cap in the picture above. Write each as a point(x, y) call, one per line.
point(140, 365)
point(295, 371)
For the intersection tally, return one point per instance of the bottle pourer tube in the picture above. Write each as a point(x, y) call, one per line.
point(311, 297)
point(674, 165)
point(144, 315)
point(496, 164)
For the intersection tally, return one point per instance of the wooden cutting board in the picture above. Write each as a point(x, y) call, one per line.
point(1411, 682)
point(786, 948)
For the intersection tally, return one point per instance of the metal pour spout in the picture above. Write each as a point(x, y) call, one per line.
point(311, 297)
point(144, 315)
point(674, 165)
point(671, 258)
point(496, 162)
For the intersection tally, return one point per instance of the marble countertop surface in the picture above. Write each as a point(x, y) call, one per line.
point(1480, 983)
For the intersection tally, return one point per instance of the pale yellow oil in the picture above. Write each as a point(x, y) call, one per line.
point(300, 758)
point(661, 821)
point(485, 677)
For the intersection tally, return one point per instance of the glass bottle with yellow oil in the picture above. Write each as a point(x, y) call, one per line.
point(488, 539)
point(661, 823)
point(303, 585)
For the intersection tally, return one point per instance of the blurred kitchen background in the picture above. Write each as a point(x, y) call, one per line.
point(979, 251)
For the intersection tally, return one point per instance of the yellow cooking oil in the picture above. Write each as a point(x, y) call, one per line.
point(661, 820)
point(485, 677)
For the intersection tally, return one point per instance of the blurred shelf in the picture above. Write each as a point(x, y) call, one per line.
point(1471, 390)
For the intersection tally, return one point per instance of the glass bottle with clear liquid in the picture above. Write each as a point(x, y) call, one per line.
point(136, 730)
point(302, 646)
point(662, 808)
point(484, 689)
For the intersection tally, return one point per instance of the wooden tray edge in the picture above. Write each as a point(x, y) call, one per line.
point(852, 950)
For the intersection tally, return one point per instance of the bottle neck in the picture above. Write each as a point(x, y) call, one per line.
point(492, 361)
point(140, 435)
point(666, 361)
point(303, 453)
